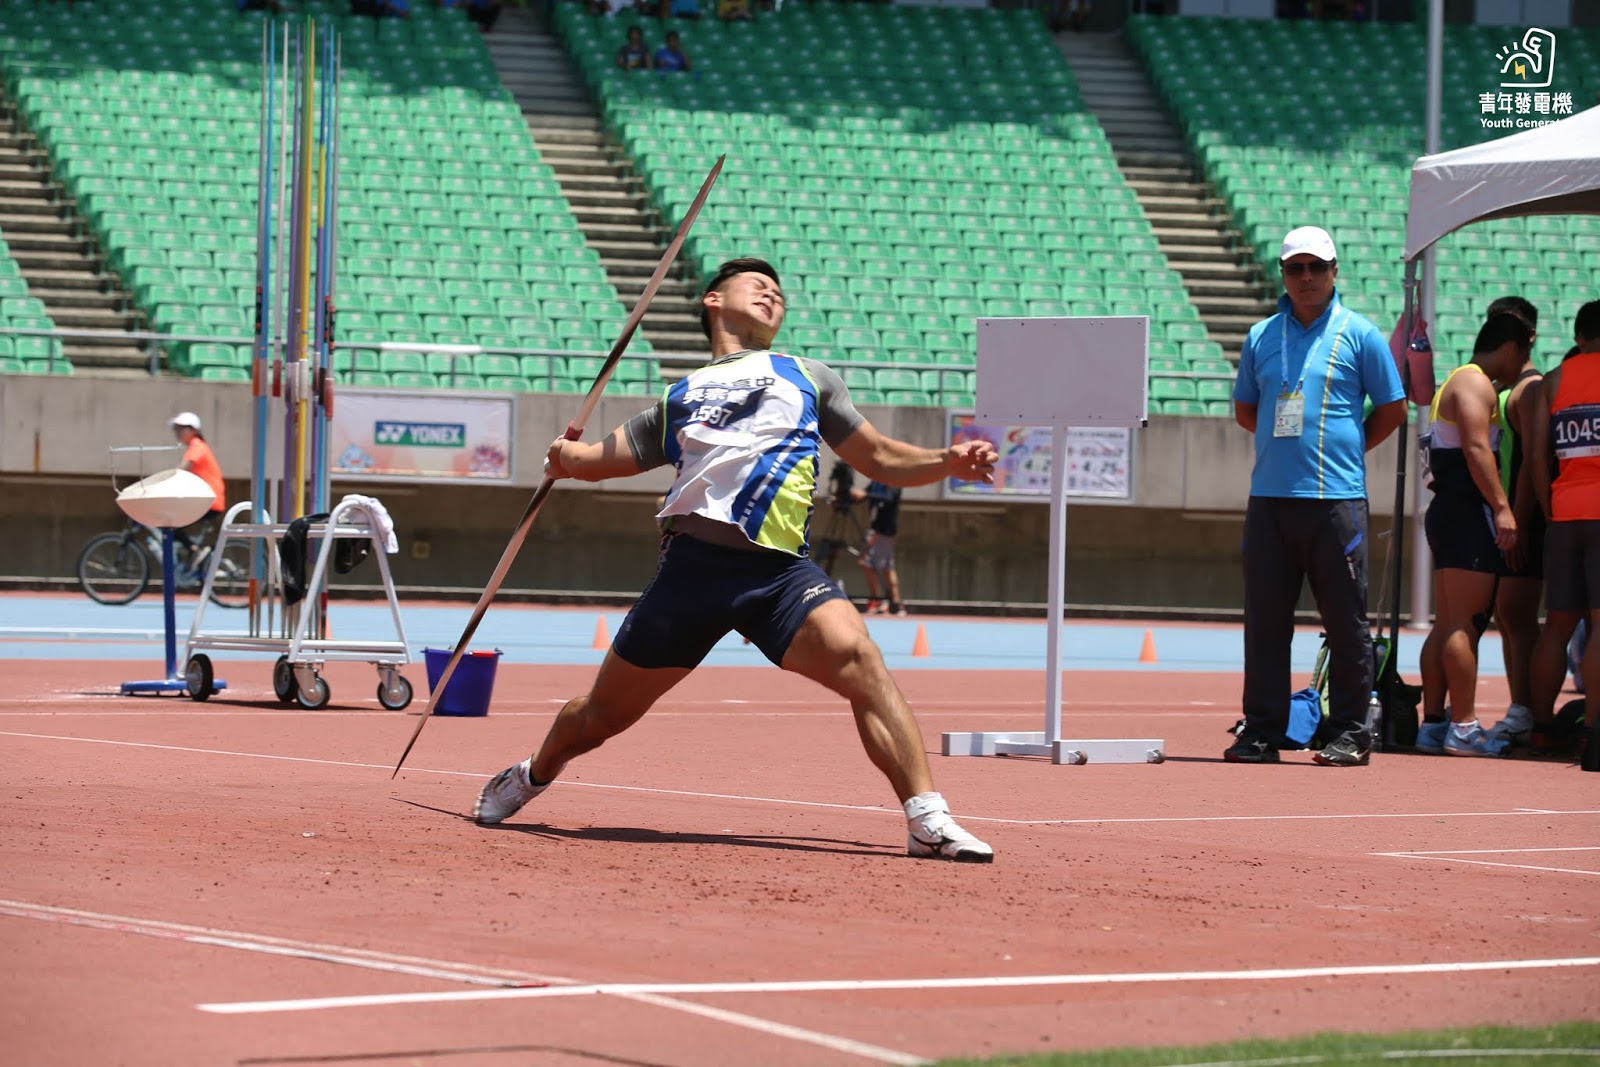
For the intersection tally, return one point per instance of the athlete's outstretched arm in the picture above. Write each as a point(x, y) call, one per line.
point(899, 463)
point(608, 458)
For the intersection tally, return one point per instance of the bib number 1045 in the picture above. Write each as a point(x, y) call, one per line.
point(1577, 431)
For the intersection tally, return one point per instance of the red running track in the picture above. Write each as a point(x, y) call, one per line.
point(159, 855)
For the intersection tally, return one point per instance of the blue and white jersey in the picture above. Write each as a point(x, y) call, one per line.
point(744, 434)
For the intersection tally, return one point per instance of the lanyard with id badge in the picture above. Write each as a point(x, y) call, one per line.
point(1289, 411)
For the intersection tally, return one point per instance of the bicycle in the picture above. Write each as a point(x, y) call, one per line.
point(115, 568)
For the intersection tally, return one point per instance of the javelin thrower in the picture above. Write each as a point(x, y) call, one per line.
point(743, 433)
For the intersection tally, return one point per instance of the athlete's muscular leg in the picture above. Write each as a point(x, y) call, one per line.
point(832, 647)
point(620, 696)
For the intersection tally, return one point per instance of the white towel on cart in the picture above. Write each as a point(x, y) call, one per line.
point(378, 516)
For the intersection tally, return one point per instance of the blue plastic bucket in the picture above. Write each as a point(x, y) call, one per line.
point(470, 686)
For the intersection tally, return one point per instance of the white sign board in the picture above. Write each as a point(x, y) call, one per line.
point(1099, 461)
point(421, 436)
point(1063, 371)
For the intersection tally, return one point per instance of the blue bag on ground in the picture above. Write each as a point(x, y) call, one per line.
point(1305, 718)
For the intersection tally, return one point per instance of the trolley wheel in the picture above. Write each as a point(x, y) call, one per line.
point(395, 696)
point(317, 696)
point(198, 676)
point(283, 683)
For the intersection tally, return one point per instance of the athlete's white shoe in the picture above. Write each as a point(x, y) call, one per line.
point(933, 834)
point(505, 794)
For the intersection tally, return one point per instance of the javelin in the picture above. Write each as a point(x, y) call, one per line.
point(574, 431)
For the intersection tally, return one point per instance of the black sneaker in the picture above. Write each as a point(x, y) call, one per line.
point(1343, 752)
point(1249, 749)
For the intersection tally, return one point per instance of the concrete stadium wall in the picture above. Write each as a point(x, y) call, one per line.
point(1177, 545)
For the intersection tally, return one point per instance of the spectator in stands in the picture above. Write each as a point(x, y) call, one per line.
point(381, 8)
point(1516, 605)
point(681, 9)
point(744, 434)
point(634, 55)
point(1564, 426)
point(1471, 531)
point(261, 5)
point(670, 56)
point(1070, 14)
point(877, 562)
point(199, 460)
point(484, 12)
point(1315, 361)
point(734, 10)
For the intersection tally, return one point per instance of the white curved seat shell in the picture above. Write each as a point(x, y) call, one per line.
point(167, 498)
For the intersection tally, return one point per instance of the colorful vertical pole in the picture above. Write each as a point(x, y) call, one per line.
point(303, 276)
point(260, 377)
point(322, 346)
point(336, 74)
point(293, 327)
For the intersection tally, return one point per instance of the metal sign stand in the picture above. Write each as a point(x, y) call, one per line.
point(1059, 373)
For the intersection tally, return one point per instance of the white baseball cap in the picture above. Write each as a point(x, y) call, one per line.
point(1308, 241)
point(186, 418)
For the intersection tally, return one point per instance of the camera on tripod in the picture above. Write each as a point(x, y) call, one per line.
point(841, 480)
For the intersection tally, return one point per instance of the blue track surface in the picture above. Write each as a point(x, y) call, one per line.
point(41, 627)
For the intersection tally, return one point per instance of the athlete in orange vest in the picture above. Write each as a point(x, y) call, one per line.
point(1568, 430)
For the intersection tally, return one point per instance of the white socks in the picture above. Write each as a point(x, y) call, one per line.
point(927, 811)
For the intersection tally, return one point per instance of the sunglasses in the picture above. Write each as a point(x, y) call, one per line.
point(1317, 268)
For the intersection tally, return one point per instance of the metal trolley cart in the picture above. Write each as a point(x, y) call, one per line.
point(302, 649)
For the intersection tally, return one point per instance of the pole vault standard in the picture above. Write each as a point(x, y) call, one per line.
point(1060, 372)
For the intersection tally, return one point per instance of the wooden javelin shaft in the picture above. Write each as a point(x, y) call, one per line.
point(574, 432)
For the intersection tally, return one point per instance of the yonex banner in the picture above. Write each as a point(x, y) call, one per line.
point(420, 435)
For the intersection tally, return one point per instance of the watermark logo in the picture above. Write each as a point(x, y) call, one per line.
point(1525, 66)
point(1527, 60)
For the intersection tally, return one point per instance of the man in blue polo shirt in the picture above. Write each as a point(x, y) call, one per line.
point(1304, 375)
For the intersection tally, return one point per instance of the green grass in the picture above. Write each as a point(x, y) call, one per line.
point(1567, 1045)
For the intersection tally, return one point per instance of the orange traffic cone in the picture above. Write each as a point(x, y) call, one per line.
point(602, 639)
point(919, 647)
point(1147, 654)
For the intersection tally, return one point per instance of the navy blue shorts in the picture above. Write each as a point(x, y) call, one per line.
point(1460, 529)
point(701, 591)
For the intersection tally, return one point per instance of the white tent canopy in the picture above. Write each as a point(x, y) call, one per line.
point(1548, 170)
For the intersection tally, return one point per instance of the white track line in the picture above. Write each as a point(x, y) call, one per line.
point(1491, 851)
point(1489, 863)
point(767, 1026)
point(879, 985)
point(874, 809)
point(419, 966)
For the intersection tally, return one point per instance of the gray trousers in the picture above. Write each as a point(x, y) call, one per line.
point(1288, 541)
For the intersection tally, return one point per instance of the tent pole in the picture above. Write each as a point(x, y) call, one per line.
point(1397, 542)
point(1422, 564)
